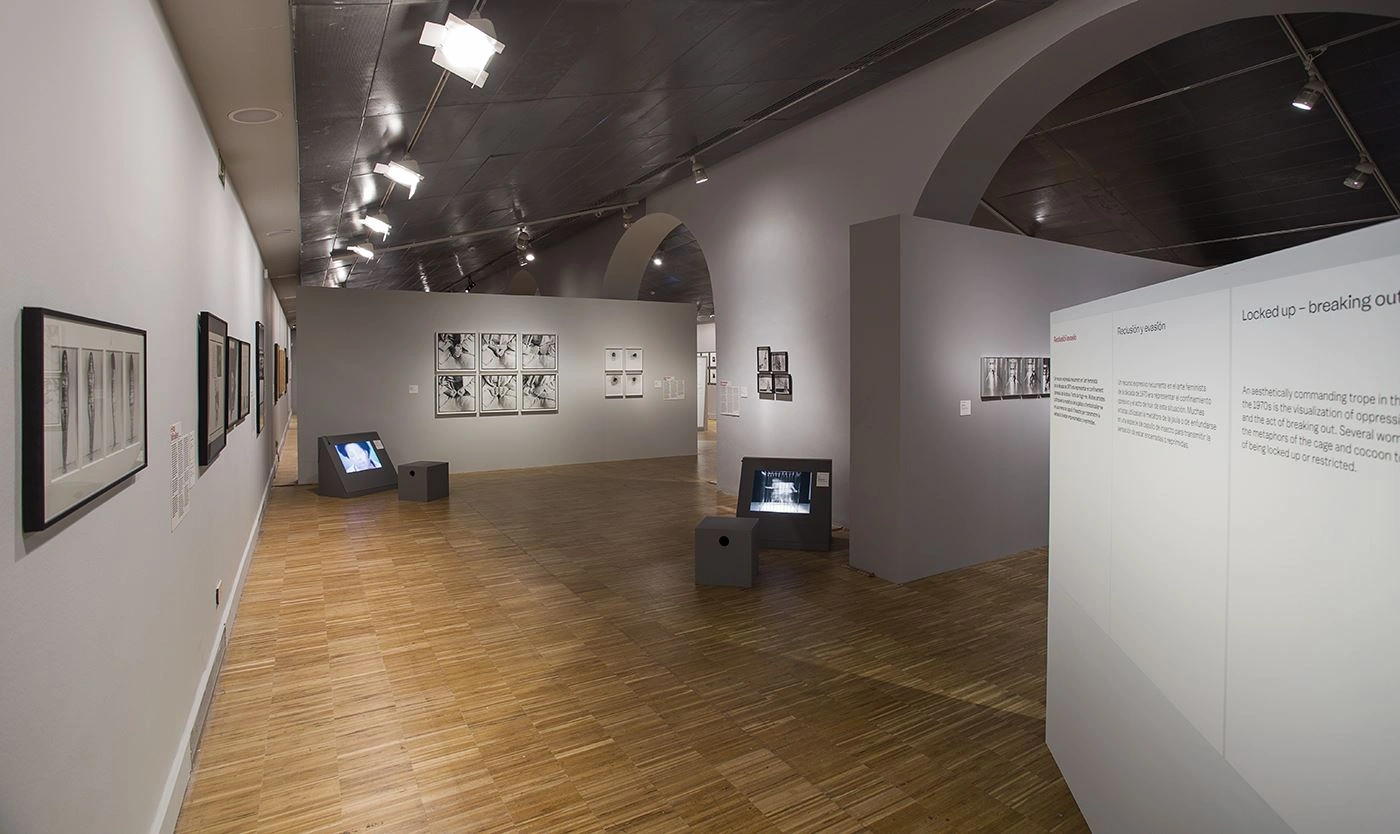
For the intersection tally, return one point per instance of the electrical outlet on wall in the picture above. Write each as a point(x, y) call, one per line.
point(217, 593)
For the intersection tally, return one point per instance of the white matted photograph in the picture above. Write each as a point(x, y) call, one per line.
point(456, 351)
point(1030, 377)
point(539, 392)
point(613, 359)
point(634, 385)
point(614, 384)
point(499, 352)
point(1011, 383)
point(539, 351)
point(991, 377)
point(634, 360)
point(456, 394)
point(500, 393)
point(765, 383)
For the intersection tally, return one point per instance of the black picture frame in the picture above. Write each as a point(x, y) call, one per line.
point(231, 370)
point(213, 429)
point(778, 361)
point(245, 380)
point(260, 337)
point(765, 385)
point(764, 358)
point(47, 499)
point(782, 386)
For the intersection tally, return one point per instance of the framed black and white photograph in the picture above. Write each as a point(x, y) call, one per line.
point(782, 385)
point(634, 360)
point(260, 336)
point(500, 393)
point(539, 392)
point(990, 386)
point(499, 352)
point(245, 379)
point(456, 352)
point(714, 376)
point(764, 360)
point(83, 411)
point(456, 394)
point(213, 367)
point(1045, 376)
point(777, 361)
point(539, 352)
point(613, 359)
point(276, 372)
point(614, 384)
point(765, 384)
point(713, 359)
point(1030, 376)
point(231, 382)
point(634, 385)
point(1013, 382)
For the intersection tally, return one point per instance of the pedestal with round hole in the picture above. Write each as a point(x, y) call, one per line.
point(423, 480)
point(726, 551)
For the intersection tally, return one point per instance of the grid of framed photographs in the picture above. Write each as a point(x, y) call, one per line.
point(495, 373)
point(623, 371)
point(774, 379)
point(1014, 377)
point(83, 411)
point(712, 367)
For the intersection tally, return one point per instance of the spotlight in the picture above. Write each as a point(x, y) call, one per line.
point(656, 260)
point(530, 256)
point(463, 47)
point(1365, 169)
point(363, 248)
point(404, 172)
point(377, 223)
point(523, 253)
point(698, 171)
point(626, 218)
point(1310, 95)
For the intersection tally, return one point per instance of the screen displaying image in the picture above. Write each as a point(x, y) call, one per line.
point(358, 457)
point(781, 492)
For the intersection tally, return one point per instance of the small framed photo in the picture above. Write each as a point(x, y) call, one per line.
point(82, 410)
point(231, 381)
point(1030, 376)
point(777, 361)
point(614, 384)
point(500, 393)
point(990, 385)
point(1045, 376)
point(245, 379)
point(634, 360)
point(633, 386)
point(763, 359)
point(782, 385)
point(539, 392)
point(213, 333)
point(539, 352)
point(765, 384)
point(456, 394)
point(714, 376)
point(713, 359)
point(498, 352)
point(1014, 383)
point(456, 352)
point(612, 359)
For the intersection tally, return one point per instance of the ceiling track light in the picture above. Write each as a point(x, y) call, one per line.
point(463, 47)
point(363, 248)
point(1365, 169)
point(1310, 95)
point(626, 218)
point(698, 171)
point(377, 223)
point(523, 253)
point(402, 172)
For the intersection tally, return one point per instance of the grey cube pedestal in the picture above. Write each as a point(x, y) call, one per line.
point(423, 480)
point(726, 551)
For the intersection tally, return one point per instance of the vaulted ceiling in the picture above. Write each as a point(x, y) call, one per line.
point(591, 103)
point(1192, 152)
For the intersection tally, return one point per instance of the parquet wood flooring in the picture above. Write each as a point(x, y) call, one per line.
point(531, 654)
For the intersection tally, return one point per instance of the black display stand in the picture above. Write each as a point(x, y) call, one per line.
point(339, 483)
point(804, 482)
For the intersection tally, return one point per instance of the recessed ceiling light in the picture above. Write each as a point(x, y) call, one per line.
point(463, 47)
point(255, 115)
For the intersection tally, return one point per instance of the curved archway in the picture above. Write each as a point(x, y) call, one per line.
point(988, 137)
point(623, 278)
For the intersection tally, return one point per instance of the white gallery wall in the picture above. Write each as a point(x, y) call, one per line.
point(928, 300)
point(1224, 643)
point(359, 351)
point(108, 621)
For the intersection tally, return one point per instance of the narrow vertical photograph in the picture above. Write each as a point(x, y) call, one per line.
point(1012, 380)
point(1045, 376)
point(115, 429)
point(93, 411)
point(991, 378)
point(61, 410)
point(1030, 371)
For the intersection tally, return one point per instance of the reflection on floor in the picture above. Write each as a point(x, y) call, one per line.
point(706, 454)
point(286, 473)
point(531, 654)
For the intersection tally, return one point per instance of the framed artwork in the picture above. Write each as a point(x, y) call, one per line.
point(1030, 376)
point(500, 393)
point(82, 411)
point(259, 336)
point(245, 379)
point(213, 367)
point(782, 385)
point(456, 394)
point(713, 359)
point(990, 378)
point(633, 385)
point(613, 384)
point(1013, 381)
point(634, 360)
point(456, 352)
point(539, 392)
point(499, 352)
point(612, 359)
point(765, 384)
point(778, 361)
point(539, 352)
point(1045, 376)
point(714, 376)
point(763, 359)
point(276, 372)
point(231, 382)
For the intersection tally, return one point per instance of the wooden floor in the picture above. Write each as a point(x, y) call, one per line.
point(531, 655)
point(286, 472)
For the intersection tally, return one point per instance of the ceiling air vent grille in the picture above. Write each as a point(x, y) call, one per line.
point(944, 20)
point(789, 100)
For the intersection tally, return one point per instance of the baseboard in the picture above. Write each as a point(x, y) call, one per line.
point(168, 810)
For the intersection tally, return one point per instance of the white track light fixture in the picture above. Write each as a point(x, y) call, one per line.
point(363, 248)
point(1310, 95)
point(626, 218)
point(523, 253)
point(463, 47)
point(698, 171)
point(1365, 169)
point(377, 223)
point(403, 172)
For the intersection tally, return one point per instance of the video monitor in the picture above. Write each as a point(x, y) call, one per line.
point(781, 491)
point(358, 456)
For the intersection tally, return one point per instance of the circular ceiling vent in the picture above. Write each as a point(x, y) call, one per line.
point(255, 115)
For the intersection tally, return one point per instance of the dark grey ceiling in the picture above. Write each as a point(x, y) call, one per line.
point(682, 276)
point(1131, 163)
point(589, 104)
